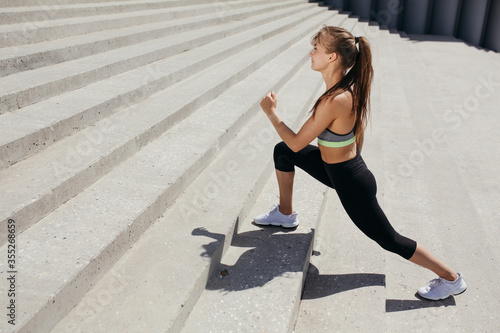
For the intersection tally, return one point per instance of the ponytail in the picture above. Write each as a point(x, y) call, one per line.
point(357, 80)
point(363, 75)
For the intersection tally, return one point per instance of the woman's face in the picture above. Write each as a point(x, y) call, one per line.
point(320, 58)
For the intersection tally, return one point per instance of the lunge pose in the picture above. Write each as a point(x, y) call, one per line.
point(338, 120)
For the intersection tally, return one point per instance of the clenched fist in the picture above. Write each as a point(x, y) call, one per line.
point(268, 103)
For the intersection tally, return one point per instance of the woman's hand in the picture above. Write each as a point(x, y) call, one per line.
point(268, 104)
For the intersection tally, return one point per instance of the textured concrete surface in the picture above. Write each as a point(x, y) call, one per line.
point(439, 192)
point(258, 283)
point(106, 237)
point(65, 171)
point(198, 216)
point(149, 191)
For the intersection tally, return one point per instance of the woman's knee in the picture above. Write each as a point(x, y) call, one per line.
point(282, 161)
point(400, 245)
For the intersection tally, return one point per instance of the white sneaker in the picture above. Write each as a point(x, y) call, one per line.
point(275, 217)
point(440, 288)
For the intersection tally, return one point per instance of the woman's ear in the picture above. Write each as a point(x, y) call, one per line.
point(333, 57)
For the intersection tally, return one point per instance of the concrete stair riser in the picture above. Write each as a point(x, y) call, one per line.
point(216, 215)
point(46, 30)
point(268, 275)
point(30, 87)
point(19, 58)
point(54, 11)
point(141, 83)
point(224, 304)
point(347, 272)
point(17, 3)
point(61, 181)
point(152, 206)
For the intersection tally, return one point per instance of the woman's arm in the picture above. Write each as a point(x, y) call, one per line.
point(323, 117)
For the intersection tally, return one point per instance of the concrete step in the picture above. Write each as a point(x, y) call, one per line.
point(114, 211)
point(345, 277)
point(31, 56)
point(29, 87)
point(406, 194)
point(210, 210)
point(345, 289)
point(263, 270)
point(459, 102)
point(268, 276)
point(57, 10)
point(16, 3)
point(33, 128)
point(45, 30)
point(69, 166)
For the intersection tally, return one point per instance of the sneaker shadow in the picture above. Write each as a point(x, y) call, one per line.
point(397, 305)
point(321, 285)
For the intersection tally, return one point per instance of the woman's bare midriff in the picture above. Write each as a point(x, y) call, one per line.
point(337, 155)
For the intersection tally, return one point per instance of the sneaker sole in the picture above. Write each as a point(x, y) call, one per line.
point(438, 299)
point(277, 224)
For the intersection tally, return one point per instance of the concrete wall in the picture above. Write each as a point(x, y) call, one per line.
point(388, 12)
point(361, 8)
point(492, 32)
point(444, 20)
point(474, 21)
point(415, 16)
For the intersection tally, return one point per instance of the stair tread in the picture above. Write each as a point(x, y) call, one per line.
point(85, 9)
point(99, 18)
point(213, 218)
point(56, 109)
point(141, 192)
point(20, 89)
point(75, 46)
point(123, 129)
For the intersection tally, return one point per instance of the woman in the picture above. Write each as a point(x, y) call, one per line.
point(338, 120)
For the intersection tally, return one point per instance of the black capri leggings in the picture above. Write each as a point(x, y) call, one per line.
point(357, 191)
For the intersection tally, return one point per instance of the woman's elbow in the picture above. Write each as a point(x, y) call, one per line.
point(296, 147)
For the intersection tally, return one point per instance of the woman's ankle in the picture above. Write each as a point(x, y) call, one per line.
point(286, 210)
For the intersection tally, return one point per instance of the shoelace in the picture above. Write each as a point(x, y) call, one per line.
point(273, 207)
point(434, 283)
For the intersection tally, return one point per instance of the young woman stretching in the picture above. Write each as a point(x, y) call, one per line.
point(338, 120)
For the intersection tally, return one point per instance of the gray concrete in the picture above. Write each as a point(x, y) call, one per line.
point(53, 119)
point(445, 16)
point(439, 193)
point(141, 177)
point(66, 171)
point(361, 8)
point(51, 10)
point(388, 12)
point(29, 87)
point(492, 29)
point(472, 18)
point(267, 276)
point(201, 220)
point(20, 58)
point(475, 22)
point(415, 16)
point(149, 191)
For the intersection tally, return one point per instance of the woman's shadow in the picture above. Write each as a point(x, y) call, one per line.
point(274, 252)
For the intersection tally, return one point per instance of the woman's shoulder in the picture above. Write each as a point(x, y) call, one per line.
point(339, 103)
